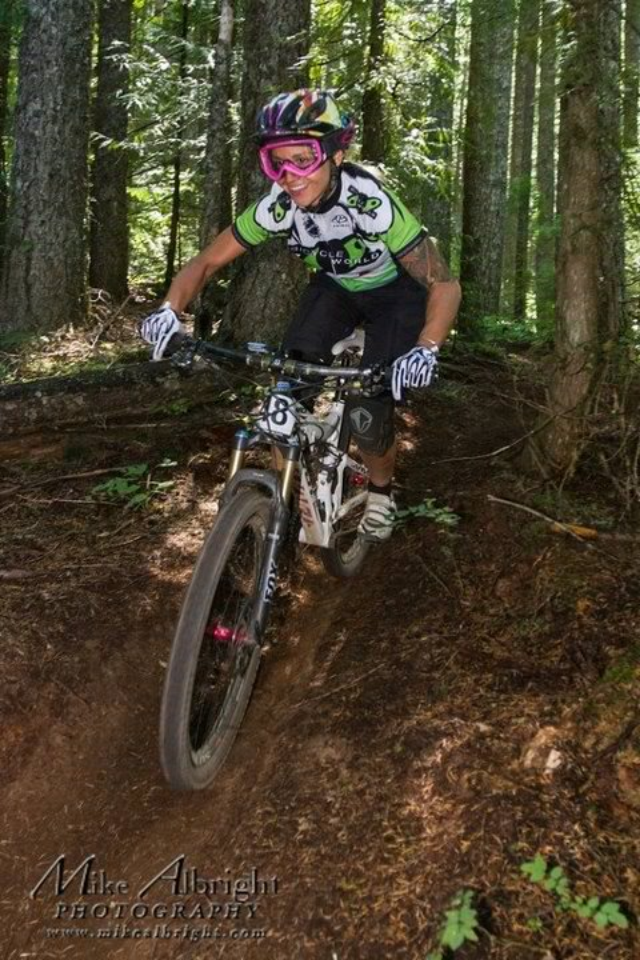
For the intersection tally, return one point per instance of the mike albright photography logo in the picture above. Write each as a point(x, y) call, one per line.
point(177, 891)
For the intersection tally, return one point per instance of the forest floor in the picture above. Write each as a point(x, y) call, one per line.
point(469, 702)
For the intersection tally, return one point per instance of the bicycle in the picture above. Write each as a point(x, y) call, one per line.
point(220, 634)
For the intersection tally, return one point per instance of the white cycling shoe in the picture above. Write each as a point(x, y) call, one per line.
point(377, 522)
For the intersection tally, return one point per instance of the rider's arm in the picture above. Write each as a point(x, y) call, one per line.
point(426, 265)
point(195, 273)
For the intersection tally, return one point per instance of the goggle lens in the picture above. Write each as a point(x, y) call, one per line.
point(308, 158)
point(299, 162)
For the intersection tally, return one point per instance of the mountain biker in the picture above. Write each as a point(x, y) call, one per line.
point(372, 264)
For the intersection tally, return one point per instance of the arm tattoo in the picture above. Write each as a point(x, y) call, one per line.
point(425, 264)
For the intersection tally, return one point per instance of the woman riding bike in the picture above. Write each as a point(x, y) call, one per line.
point(372, 265)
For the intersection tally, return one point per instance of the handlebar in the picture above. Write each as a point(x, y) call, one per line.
point(183, 349)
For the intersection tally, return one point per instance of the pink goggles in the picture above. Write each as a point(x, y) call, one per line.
point(300, 166)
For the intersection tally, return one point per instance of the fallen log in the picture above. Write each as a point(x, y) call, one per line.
point(100, 397)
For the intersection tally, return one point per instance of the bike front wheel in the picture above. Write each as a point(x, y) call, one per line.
point(215, 654)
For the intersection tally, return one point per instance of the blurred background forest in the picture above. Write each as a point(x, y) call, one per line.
point(510, 128)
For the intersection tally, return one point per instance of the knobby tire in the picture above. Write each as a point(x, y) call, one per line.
point(215, 655)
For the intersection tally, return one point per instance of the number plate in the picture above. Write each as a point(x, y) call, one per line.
point(277, 415)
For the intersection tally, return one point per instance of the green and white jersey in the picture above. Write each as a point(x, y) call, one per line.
point(355, 236)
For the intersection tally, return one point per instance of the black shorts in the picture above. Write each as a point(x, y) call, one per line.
point(392, 317)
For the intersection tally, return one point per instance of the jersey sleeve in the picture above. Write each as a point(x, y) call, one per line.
point(271, 216)
point(246, 228)
point(405, 231)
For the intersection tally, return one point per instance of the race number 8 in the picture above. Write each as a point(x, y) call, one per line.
point(277, 416)
point(279, 411)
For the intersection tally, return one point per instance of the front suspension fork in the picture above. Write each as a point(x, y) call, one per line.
point(280, 486)
point(275, 538)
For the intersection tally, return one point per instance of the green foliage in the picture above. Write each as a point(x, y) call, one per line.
point(427, 510)
point(168, 105)
point(175, 408)
point(450, 391)
point(459, 927)
point(624, 670)
point(569, 507)
point(503, 329)
point(134, 487)
point(15, 339)
point(251, 392)
point(31, 356)
point(554, 880)
point(495, 334)
point(417, 57)
point(461, 923)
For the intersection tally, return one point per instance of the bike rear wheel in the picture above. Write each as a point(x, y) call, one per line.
point(345, 557)
point(215, 654)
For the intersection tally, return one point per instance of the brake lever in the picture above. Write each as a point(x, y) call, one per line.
point(378, 381)
point(184, 357)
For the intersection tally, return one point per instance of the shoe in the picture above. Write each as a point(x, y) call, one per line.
point(377, 522)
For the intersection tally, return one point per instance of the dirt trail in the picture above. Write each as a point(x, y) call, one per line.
point(379, 769)
point(92, 786)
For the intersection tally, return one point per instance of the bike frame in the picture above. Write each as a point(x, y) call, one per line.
point(319, 502)
point(286, 426)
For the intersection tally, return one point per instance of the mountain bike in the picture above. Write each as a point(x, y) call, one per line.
point(220, 634)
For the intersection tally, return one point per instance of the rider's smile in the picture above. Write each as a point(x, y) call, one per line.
point(305, 190)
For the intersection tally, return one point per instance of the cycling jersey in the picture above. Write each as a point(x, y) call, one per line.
point(354, 236)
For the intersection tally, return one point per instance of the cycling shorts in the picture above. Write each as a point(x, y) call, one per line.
point(392, 316)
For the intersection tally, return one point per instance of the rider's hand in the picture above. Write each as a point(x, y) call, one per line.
point(418, 368)
point(158, 328)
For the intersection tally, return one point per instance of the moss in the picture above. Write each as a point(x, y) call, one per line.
point(572, 508)
point(625, 669)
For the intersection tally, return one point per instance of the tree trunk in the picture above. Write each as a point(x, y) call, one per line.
point(6, 23)
point(612, 313)
point(545, 242)
point(486, 141)
point(216, 214)
point(589, 269)
point(44, 282)
point(177, 160)
point(514, 290)
point(631, 72)
point(109, 242)
point(373, 133)
point(462, 54)
point(437, 198)
point(267, 282)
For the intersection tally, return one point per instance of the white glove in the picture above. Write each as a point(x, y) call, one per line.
point(418, 368)
point(158, 328)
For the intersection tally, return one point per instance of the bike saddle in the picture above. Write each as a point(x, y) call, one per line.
point(355, 341)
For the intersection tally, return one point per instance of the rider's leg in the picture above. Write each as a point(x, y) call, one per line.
point(381, 466)
point(371, 423)
point(395, 316)
point(325, 314)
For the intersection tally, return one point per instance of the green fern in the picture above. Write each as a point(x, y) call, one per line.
point(603, 913)
point(134, 487)
point(459, 927)
point(427, 510)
